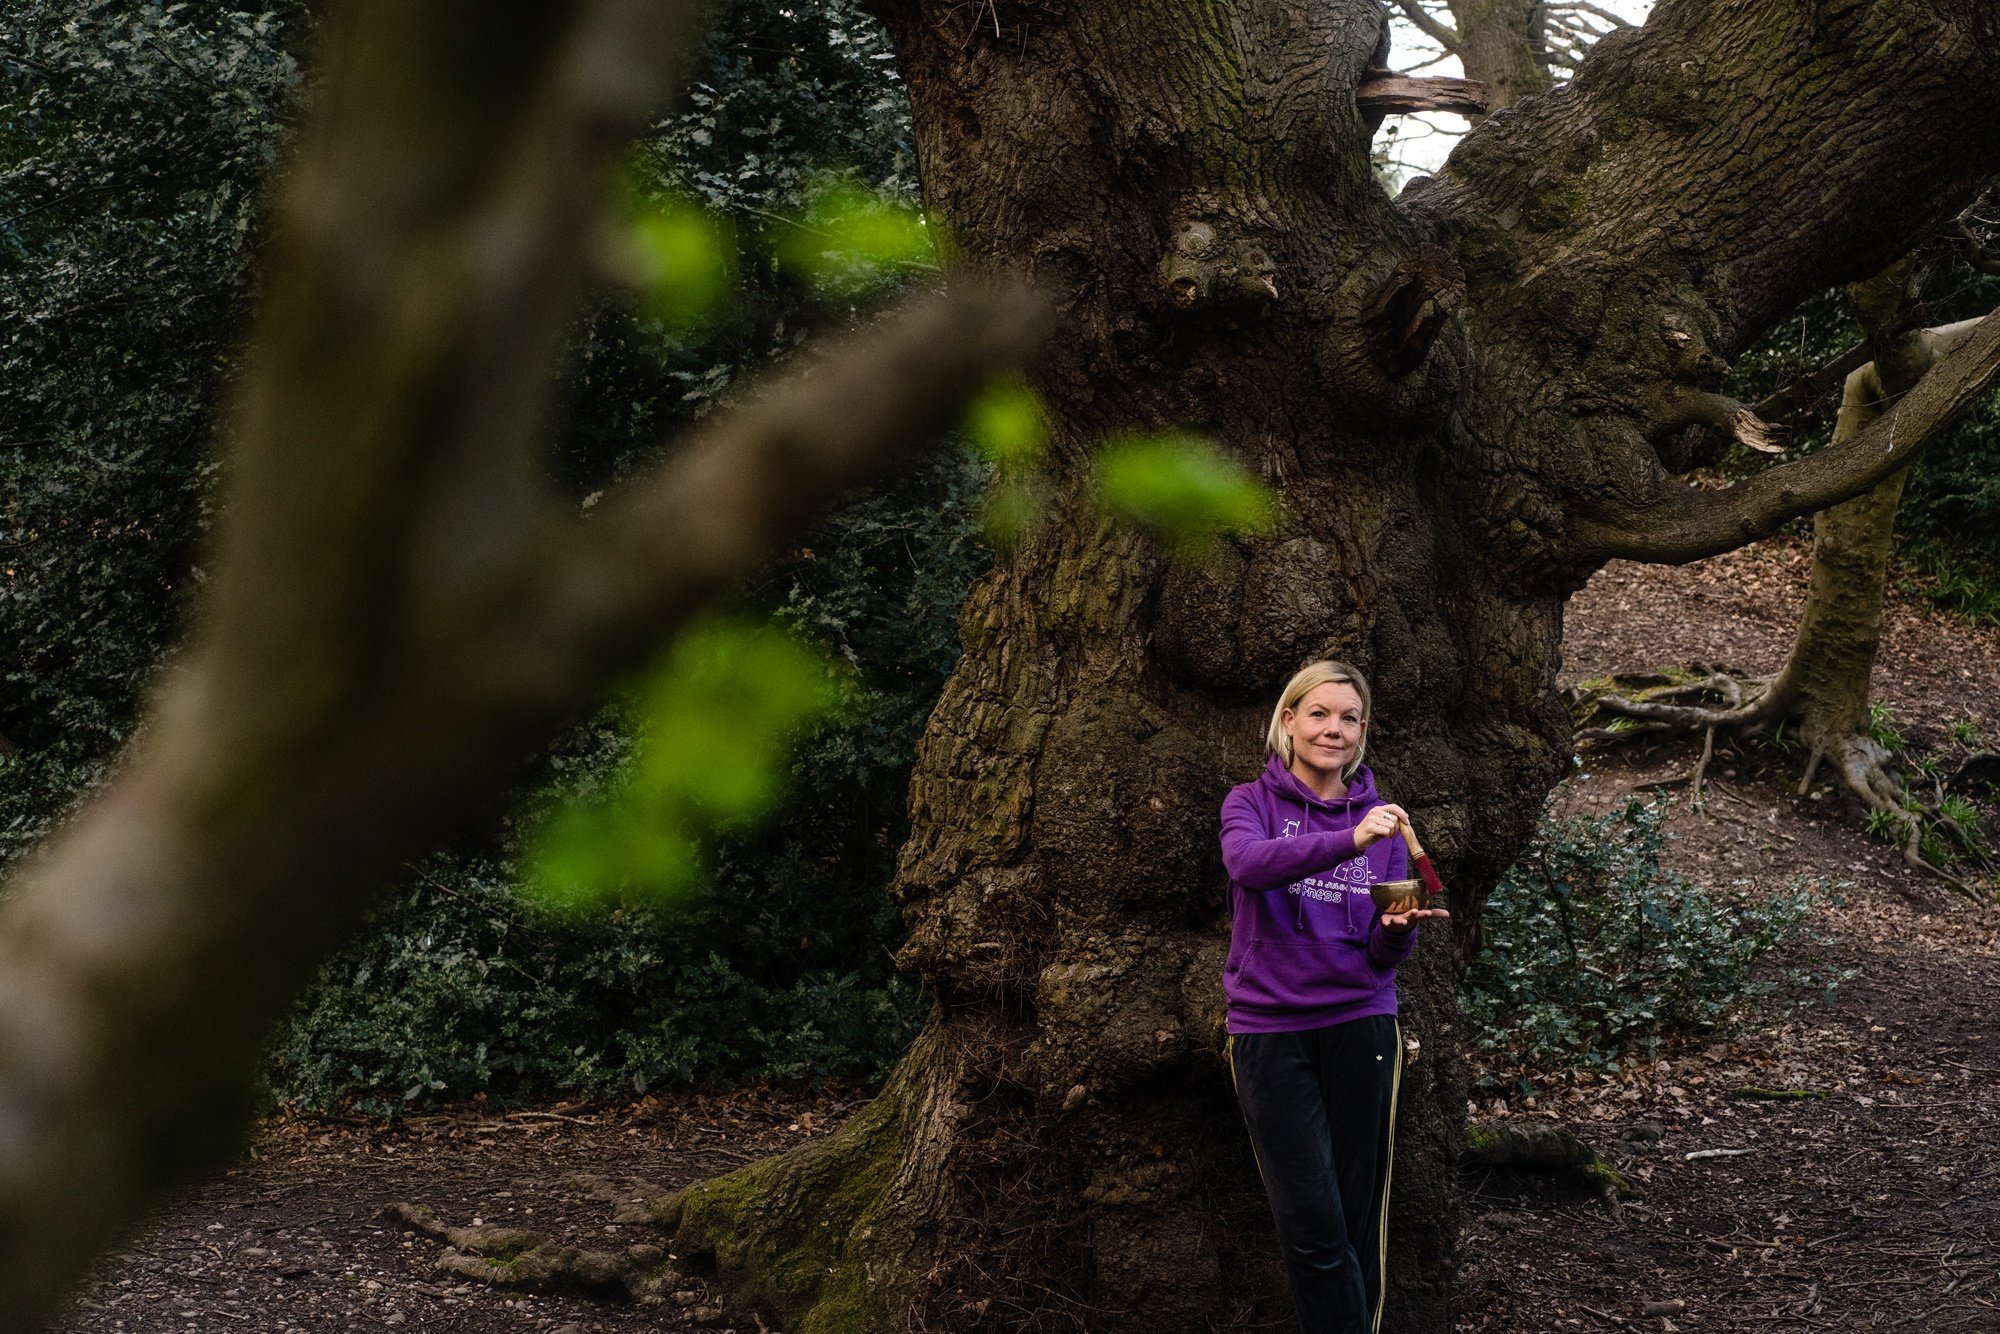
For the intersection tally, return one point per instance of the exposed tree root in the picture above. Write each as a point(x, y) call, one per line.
point(1748, 707)
point(1545, 1150)
point(508, 1257)
point(1982, 766)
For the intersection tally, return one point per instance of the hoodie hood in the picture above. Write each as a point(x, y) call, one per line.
point(1281, 781)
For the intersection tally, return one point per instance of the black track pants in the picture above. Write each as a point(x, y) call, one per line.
point(1321, 1106)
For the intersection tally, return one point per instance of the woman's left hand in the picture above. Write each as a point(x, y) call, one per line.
point(1398, 923)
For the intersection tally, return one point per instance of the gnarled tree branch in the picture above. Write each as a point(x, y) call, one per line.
point(1675, 523)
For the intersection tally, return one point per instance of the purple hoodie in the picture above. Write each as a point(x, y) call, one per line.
point(1306, 946)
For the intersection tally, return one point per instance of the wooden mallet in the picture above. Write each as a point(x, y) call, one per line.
point(1421, 862)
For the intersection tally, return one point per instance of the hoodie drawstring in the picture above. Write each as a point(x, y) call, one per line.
point(1305, 827)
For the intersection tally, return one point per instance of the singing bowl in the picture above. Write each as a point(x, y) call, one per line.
point(1393, 896)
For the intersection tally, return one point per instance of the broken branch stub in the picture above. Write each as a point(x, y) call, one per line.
point(1206, 270)
point(1386, 93)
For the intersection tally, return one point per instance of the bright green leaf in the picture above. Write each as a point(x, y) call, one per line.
point(1008, 424)
point(850, 236)
point(1183, 488)
point(684, 257)
point(716, 723)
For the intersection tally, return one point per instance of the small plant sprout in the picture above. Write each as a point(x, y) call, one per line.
point(1933, 849)
point(1882, 727)
point(1960, 812)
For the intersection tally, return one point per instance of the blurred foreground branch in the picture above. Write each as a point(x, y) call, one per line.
point(400, 609)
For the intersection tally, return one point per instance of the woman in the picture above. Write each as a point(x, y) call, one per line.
point(1311, 986)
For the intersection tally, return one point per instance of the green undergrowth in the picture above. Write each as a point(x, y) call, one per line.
point(775, 965)
point(459, 989)
point(1966, 587)
point(1594, 953)
point(1951, 827)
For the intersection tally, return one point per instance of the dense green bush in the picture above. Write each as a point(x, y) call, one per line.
point(459, 990)
point(134, 142)
point(781, 970)
point(1594, 952)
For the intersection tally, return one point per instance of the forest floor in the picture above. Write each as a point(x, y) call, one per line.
point(1871, 1200)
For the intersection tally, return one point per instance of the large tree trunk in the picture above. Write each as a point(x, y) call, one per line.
point(1064, 1129)
point(1061, 1148)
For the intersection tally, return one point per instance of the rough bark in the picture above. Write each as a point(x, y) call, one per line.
point(1618, 239)
point(1498, 43)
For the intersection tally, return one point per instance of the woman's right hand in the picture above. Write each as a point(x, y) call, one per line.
point(1378, 824)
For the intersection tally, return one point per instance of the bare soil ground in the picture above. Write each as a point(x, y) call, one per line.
point(292, 1238)
point(1869, 1200)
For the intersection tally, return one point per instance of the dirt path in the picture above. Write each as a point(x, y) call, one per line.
point(292, 1239)
point(1872, 1201)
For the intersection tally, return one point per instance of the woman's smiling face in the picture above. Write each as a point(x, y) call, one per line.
point(1326, 730)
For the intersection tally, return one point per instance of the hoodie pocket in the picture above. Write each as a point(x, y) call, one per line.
point(1314, 975)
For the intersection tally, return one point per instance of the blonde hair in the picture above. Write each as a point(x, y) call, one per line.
point(1306, 680)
